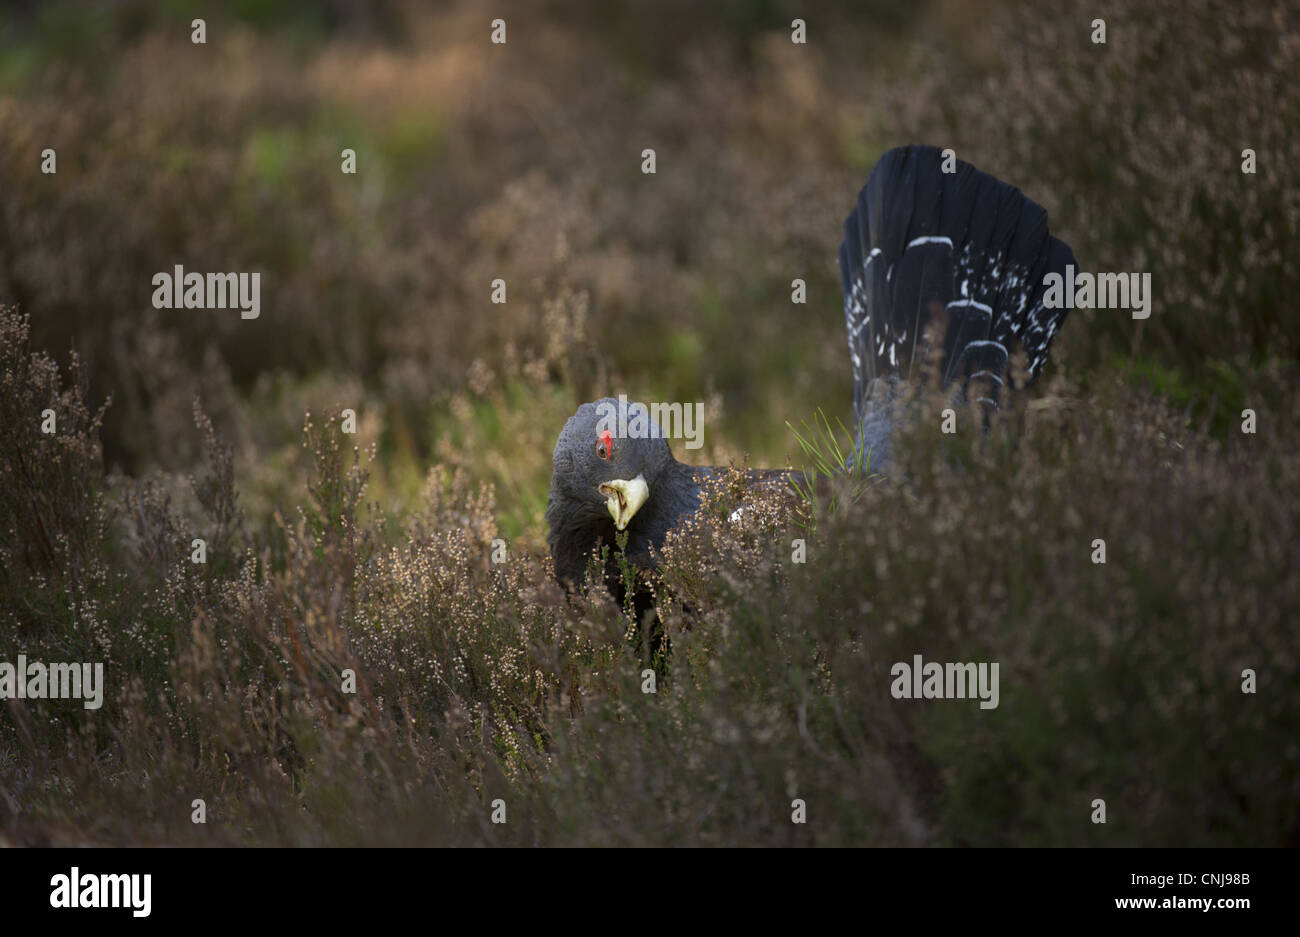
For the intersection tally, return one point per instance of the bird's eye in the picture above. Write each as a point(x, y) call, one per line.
point(605, 446)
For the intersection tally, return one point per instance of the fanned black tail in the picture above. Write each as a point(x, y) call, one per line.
point(923, 240)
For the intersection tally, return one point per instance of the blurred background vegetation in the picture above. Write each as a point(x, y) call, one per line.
point(477, 161)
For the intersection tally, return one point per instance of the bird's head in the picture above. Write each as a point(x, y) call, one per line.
point(608, 458)
point(610, 461)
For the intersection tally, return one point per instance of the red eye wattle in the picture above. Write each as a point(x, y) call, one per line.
point(605, 448)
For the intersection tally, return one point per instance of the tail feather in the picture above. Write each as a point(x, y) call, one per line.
point(921, 240)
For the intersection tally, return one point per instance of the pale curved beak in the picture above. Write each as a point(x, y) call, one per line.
point(624, 498)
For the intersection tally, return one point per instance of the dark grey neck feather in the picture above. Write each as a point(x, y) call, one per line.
point(877, 425)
